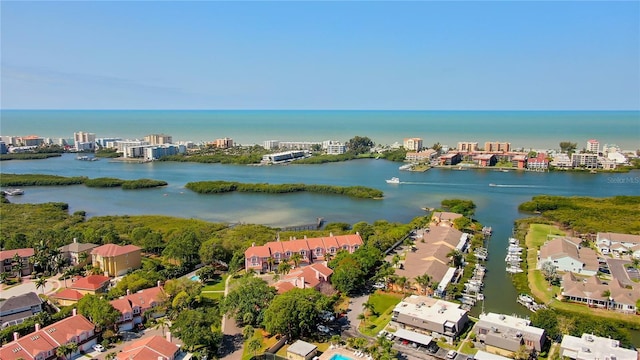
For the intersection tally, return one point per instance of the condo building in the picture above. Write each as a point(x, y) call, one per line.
point(84, 141)
point(158, 139)
point(496, 146)
point(412, 144)
point(465, 146)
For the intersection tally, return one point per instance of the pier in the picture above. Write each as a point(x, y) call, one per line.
point(315, 226)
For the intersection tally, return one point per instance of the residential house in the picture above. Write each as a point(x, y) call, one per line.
point(301, 350)
point(591, 347)
point(8, 260)
point(566, 254)
point(42, 343)
point(426, 314)
point(608, 242)
point(16, 309)
point(562, 161)
point(539, 162)
point(485, 160)
point(444, 218)
point(424, 156)
point(310, 250)
point(134, 306)
point(151, 348)
point(451, 158)
point(92, 284)
point(116, 260)
point(72, 251)
point(504, 334)
point(605, 163)
point(593, 292)
point(519, 161)
point(311, 276)
point(66, 297)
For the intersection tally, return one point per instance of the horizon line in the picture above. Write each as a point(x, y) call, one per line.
point(273, 109)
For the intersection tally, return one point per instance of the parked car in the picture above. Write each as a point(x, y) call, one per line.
point(98, 348)
point(323, 329)
point(433, 348)
point(452, 354)
point(379, 285)
point(390, 336)
point(382, 333)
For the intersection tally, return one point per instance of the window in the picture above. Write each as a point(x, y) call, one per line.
point(318, 251)
point(303, 253)
point(332, 250)
point(288, 253)
point(277, 255)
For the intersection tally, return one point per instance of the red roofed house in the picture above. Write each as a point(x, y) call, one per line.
point(133, 306)
point(7, 260)
point(540, 162)
point(67, 297)
point(310, 250)
point(91, 284)
point(311, 276)
point(150, 348)
point(116, 260)
point(519, 161)
point(42, 343)
point(485, 160)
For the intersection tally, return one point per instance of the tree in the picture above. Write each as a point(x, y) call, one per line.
point(212, 251)
point(437, 147)
point(424, 281)
point(41, 283)
point(295, 258)
point(284, 268)
point(253, 346)
point(359, 145)
point(247, 332)
point(295, 313)
point(194, 328)
point(456, 257)
point(16, 265)
point(98, 310)
point(568, 147)
point(368, 306)
point(549, 271)
point(546, 319)
point(251, 296)
point(162, 323)
point(348, 275)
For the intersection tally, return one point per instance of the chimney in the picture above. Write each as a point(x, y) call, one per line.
point(253, 244)
point(305, 237)
point(37, 327)
point(159, 283)
point(74, 312)
point(168, 336)
point(16, 336)
point(75, 240)
point(128, 292)
point(358, 233)
point(331, 234)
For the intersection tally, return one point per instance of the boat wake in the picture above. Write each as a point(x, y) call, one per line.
point(516, 186)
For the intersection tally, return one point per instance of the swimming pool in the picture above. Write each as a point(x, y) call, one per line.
point(195, 278)
point(340, 357)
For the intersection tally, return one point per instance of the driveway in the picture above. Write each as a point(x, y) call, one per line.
point(618, 271)
point(28, 285)
point(352, 321)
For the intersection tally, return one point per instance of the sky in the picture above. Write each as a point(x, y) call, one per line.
point(418, 55)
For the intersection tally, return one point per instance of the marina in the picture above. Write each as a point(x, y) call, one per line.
point(529, 302)
point(513, 257)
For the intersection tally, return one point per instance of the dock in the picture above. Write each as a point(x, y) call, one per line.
point(314, 226)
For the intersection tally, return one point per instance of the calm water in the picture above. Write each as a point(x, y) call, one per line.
point(524, 129)
point(497, 206)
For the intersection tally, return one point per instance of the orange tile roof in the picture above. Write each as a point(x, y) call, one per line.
point(91, 282)
point(309, 274)
point(9, 254)
point(110, 250)
point(68, 294)
point(144, 299)
point(282, 247)
point(149, 349)
point(122, 305)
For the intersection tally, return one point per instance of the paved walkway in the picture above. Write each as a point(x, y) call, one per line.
point(28, 285)
point(232, 341)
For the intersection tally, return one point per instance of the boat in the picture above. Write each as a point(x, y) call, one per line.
point(393, 180)
point(87, 158)
point(406, 167)
point(13, 192)
point(492, 184)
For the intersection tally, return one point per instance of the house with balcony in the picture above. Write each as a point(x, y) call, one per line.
point(566, 254)
point(438, 318)
point(504, 334)
point(591, 347)
point(539, 162)
point(485, 160)
point(72, 251)
point(424, 156)
point(43, 342)
point(116, 260)
point(16, 309)
point(519, 161)
point(11, 258)
point(133, 306)
point(263, 258)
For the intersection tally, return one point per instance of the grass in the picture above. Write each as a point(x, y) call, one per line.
point(212, 295)
point(216, 285)
point(383, 304)
point(467, 349)
point(266, 342)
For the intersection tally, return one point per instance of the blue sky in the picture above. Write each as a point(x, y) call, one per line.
point(540, 55)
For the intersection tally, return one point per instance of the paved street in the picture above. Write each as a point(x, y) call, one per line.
point(28, 285)
point(616, 266)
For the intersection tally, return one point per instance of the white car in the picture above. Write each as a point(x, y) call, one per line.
point(379, 285)
point(452, 354)
point(323, 329)
point(98, 348)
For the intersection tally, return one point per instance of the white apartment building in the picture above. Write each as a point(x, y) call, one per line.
point(591, 347)
point(334, 147)
point(586, 160)
point(593, 146)
point(412, 144)
point(84, 141)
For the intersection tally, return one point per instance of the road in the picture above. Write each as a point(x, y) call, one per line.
point(616, 266)
point(28, 285)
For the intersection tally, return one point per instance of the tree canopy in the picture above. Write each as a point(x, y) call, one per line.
point(295, 313)
point(360, 145)
point(98, 310)
point(247, 301)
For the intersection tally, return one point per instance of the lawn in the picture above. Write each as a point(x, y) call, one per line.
point(467, 349)
point(383, 304)
point(212, 295)
point(215, 285)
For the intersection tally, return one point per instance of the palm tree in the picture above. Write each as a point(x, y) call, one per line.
point(4, 276)
point(82, 257)
point(424, 281)
point(254, 345)
point(41, 283)
point(395, 260)
point(402, 282)
point(456, 257)
point(284, 268)
point(295, 258)
point(368, 306)
point(72, 347)
point(162, 323)
point(16, 267)
point(271, 261)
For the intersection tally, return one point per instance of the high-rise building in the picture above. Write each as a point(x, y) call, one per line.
point(84, 141)
point(465, 146)
point(593, 146)
point(158, 139)
point(412, 144)
point(224, 143)
point(496, 146)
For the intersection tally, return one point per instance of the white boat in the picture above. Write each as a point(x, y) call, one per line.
point(393, 180)
point(405, 167)
point(12, 192)
point(492, 184)
point(514, 270)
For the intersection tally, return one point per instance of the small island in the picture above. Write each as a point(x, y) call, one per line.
point(54, 180)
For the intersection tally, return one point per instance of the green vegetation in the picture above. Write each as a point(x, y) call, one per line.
point(107, 153)
point(39, 180)
point(28, 156)
point(589, 215)
point(382, 305)
point(216, 187)
point(459, 206)
point(212, 155)
point(103, 182)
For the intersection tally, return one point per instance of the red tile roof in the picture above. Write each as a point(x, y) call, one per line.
point(122, 305)
point(91, 282)
point(149, 349)
point(110, 250)
point(282, 247)
point(47, 339)
point(304, 277)
point(144, 299)
point(68, 294)
point(9, 254)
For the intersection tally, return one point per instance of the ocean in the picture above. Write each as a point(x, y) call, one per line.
point(523, 129)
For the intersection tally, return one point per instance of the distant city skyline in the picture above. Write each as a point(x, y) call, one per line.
point(430, 55)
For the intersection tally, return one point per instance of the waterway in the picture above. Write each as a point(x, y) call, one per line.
point(496, 206)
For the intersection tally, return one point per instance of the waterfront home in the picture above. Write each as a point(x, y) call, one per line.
point(301, 350)
point(608, 242)
point(16, 309)
point(539, 162)
point(312, 276)
point(133, 306)
point(72, 251)
point(11, 258)
point(92, 284)
point(66, 297)
point(263, 258)
point(562, 161)
point(484, 160)
point(412, 144)
point(451, 158)
point(566, 254)
point(519, 161)
point(585, 160)
point(42, 343)
point(438, 317)
point(116, 260)
point(593, 292)
point(591, 347)
point(444, 218)
point(504, 334)
point(467, 146)
point(424, 156)
point(151, 348)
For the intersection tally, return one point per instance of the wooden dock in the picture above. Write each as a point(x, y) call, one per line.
point(315, 226)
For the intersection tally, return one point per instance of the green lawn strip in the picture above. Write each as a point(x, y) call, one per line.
point(383, 303)
point(212, 295)
point(467, 349)
point(216, 285)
